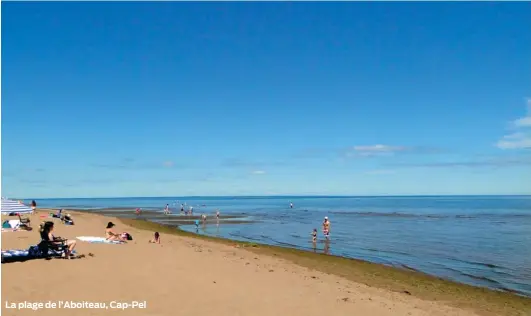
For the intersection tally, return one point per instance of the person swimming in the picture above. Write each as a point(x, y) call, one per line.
point(314, 235)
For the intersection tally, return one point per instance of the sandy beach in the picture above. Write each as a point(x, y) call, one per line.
point(194, 276)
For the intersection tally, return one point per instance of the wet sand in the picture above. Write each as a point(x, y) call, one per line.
point(187, 275)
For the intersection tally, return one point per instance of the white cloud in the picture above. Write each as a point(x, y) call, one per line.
point(520, 138)
point(258, 172)
point(375, 150)
point(379, 148)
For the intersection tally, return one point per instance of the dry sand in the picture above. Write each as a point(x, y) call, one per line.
point(187, 276)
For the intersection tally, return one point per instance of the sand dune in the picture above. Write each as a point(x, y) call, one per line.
point(187, 276)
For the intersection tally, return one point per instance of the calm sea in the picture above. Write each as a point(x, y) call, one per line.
point(480, 240)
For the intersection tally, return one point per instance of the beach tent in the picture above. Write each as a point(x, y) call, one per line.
point(10, 206)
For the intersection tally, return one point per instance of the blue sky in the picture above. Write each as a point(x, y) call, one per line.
point(169, 99)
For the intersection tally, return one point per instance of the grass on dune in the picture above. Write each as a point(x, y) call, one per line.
point(481, 300)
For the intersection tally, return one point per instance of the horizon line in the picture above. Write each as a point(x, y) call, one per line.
point(280, 196)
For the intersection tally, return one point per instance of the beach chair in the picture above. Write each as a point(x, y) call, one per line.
point(49, 248)
point(24, 221)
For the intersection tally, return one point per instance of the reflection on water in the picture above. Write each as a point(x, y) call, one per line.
point(326, 249)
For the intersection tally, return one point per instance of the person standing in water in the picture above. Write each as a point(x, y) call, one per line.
point(326, 228)
point(182, 208)
point(314, 240)
point(167, 209)
point(290, 205)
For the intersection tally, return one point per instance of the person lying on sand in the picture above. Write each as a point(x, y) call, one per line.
point(110, 234)
point(67, 219)
point(156, 239)
point(47, 235)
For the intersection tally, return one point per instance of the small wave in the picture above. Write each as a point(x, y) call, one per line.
point(437, 216)
point(387, 251)
point(482, 278)
point(405, 266)
point(521, 293)
point(482, 264)
point(464, 216)
point(395, 214)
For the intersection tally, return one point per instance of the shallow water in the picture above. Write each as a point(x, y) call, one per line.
point(480, 240)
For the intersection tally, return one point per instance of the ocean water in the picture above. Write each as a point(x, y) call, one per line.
point(479, 240)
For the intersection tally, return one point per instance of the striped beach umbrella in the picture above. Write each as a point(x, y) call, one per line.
point(10, 206)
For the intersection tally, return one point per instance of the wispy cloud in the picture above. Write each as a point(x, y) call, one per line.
point(168, 164)
point(240, 163)
point(258, 172)
point(131, 164)
point(520, 136)
point(375, 150)
point(493, 162)
point(379, 150)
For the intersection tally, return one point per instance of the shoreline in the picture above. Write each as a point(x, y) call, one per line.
point(398, 285)
point(186, 220)
point(483, 300)
point(396, 279)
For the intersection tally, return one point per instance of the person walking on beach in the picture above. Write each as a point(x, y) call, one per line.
point(33, 206)
point(326, 228)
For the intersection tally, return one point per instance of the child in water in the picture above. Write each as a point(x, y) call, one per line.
point(196, 224)
point(314, 235)
point(156, 239)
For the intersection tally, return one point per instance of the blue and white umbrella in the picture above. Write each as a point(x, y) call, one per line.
point(10, 206)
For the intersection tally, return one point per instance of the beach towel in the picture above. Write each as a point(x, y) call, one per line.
point(99, 240)
point(18, 255)
point(14, 223)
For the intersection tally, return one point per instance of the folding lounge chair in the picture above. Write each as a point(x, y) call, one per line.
point(25, 223)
